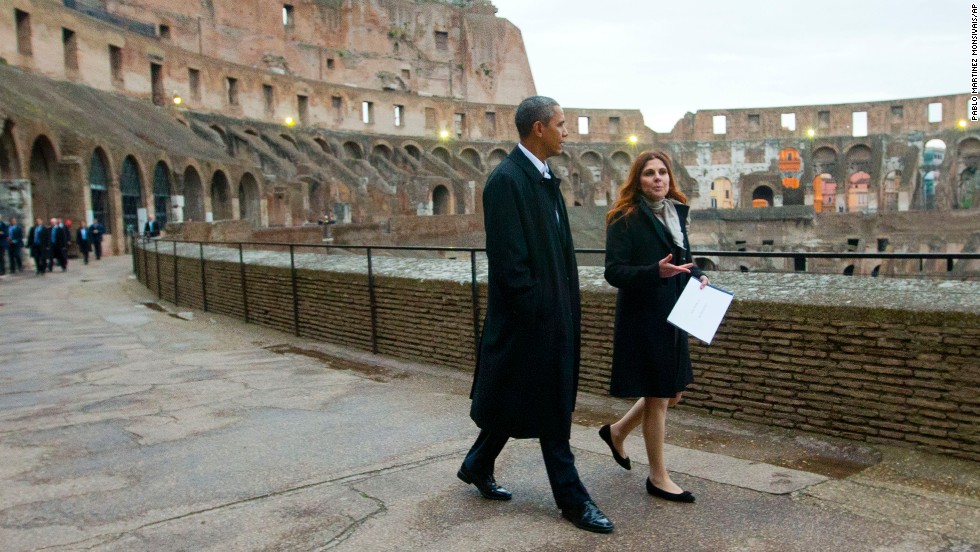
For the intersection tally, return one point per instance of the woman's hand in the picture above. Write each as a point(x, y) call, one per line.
point(704, 281)
point(667, 270)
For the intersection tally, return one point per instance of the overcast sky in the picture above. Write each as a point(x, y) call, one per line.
point(668, 58)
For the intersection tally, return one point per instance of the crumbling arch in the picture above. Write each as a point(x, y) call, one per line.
point(42, 167)
point(890, 191)
point(289, 139)
point(495, 158)
point(824, 160)
point(352, 150)
point(857, 191)
point(249, 200)
point(382, 150)
point(193, 195)
point(161, 192)
point(99, 182)
point(413, 151)
point(442, 200)
point(762, 196)
point(221, 197)
point(131, 191)
point(441, 154)
point(858, 159)
point(472, 157)
point(9, 157)
point(824, 193)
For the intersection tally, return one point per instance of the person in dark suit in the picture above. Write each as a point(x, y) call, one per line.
point(16, 235)
point(4, 242)
point(58, 245)
point(96, 230)
point(151, 228)
point(646, 234)
point(38, 237)
point(84, 240)
point(528, 364)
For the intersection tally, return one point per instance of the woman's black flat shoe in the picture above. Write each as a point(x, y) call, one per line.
point(686, 496)
point(606, 435)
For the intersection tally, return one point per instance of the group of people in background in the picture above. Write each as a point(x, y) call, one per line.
point(47, 244)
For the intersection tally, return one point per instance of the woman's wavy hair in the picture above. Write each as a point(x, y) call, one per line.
point(630, 193)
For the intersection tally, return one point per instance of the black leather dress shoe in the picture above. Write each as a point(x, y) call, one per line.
point(605, 433)
point(686, 496)
point(588, 516)
point(484, 483)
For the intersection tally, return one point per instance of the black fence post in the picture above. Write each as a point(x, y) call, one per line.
point(204, 279)
point(292, 271)
point(176, 285)
point(476, 304)
point(146, 263)
point(241, 264)
point(156, 249)
point(374, 304)
point(132, 249)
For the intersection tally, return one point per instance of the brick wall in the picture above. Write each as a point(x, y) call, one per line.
point(880, 375)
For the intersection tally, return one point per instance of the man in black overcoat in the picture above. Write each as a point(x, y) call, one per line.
point(96, 230)
point(84, 239)
point(16, 234)
point(38, 237)
point(527, 368)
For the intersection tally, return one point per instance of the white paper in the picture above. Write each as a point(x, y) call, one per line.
point(699, 311)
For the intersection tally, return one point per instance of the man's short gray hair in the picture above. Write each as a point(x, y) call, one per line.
point(532, 110)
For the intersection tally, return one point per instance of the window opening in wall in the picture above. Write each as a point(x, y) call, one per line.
point(714, 203)
point(823, 119)
point(115, 63)
point(337, 104)
point(287, 16)
point(768, 242)
point(329, 63)
point(583, 125)
point(442, 40)
point(849, 271)
point(719, 124)
point(491, 120)
point(303, 109)
point(788, 121)
point(852, 244)
point(164, 31)
point(459, 124)
point(231, 84)
point(882, 245)
point(935, 112)
point(269, 95)
point(799, 264)
point(194, 81)
point(367, 112)
point(23, 32)
point(859, 123)
point(406, 75)
point(898, 114)
point(430, 117)
point(399, 113)
point(740, 245)
point(754, 123)
point(70, 43)
point(614, 126)
point(156, 83)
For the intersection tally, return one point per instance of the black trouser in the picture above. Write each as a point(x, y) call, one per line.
point(40, 257)
point(15, 261)
point(3, 261)
point(84, 251)
point(559, 461)
point(98, 250)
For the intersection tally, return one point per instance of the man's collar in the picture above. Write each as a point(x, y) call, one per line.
point(540, 165)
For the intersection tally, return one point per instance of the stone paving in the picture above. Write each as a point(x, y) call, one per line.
point(126, 425)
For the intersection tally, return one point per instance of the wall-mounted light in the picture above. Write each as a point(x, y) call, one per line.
point(289, 121)
point(962, 123)
point(444, 134)
point(633, 139)
point(177, 99)
point(810, 132)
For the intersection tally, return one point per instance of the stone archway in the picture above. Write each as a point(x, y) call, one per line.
point(249, 200)
point(42, 166)
point(131, 190)
point(441, 201)
point(413, 151)
point(221, 197)
point(161, 193)
point(762, 196)
point(352, 150)
point(193, 196)
point(99, 180)
point(382, 150)
point(471, 156)
point(9, 158)
point(441, 154)
point(495, 157)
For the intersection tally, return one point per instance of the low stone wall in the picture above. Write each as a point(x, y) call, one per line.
point(884, 361)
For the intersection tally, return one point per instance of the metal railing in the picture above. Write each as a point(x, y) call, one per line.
point(471, 251)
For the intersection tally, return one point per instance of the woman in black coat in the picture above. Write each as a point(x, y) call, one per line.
point(646, 234)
